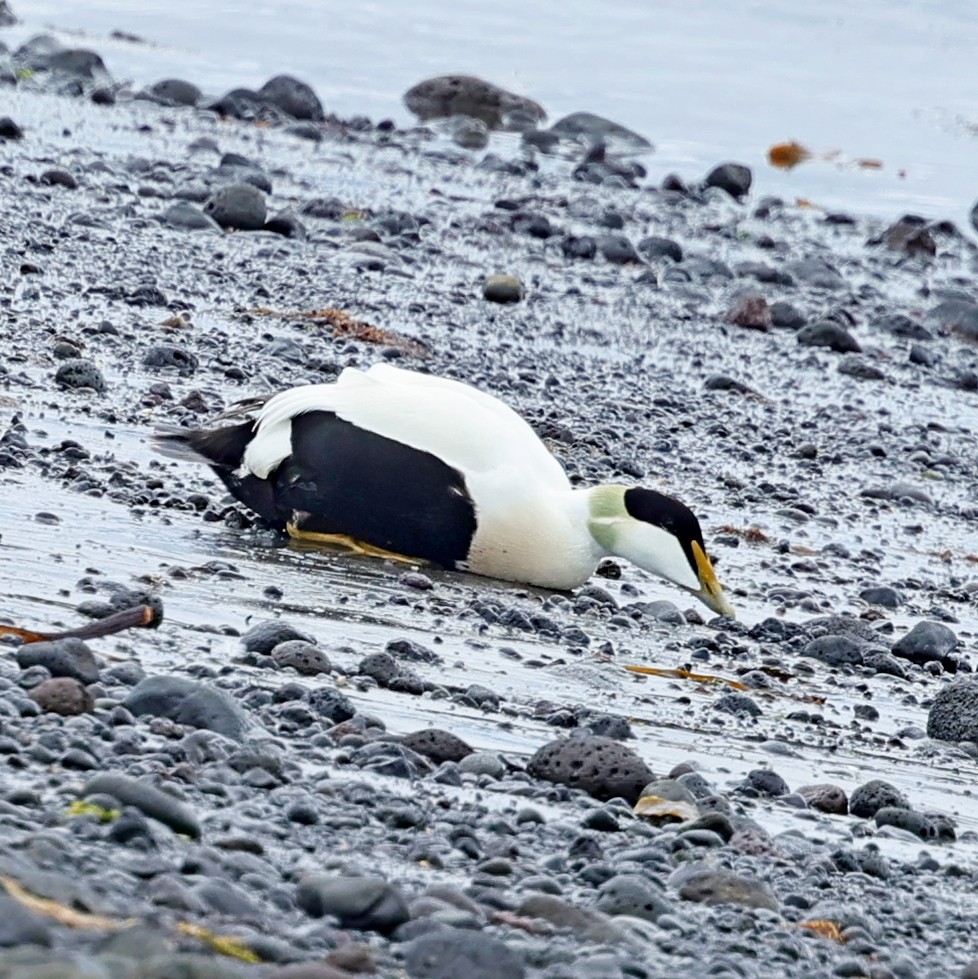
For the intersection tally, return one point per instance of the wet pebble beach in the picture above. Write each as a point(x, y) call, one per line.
point(323, 766)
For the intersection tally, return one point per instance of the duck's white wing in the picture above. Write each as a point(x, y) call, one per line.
point(465, 428)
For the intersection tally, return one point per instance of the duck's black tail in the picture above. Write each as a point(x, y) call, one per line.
point(223, 450)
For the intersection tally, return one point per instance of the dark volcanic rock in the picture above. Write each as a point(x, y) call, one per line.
point(618, 250)
point(734, 178)
point(176, 91)
point(954, 714)
point(631, 894)
point(454, 953)
point(363, 903)
point(585, 127)
point(45, 53)
point(654, 247)
point(464, 95)
point(825, 333)
point(238, 207)
point(265, 636)
point(717, 886)
point(737, 703)
point(816, 272)
point(834, 651)
point(871, 796)
point(600, 766)
point(61, 657)
point(926, 642)
point(437, 745)
point(9, 129)
point(163, 355)
point(956, 316)
point(191, 703)
point(302, 656)
point(501, 288)
point(294, 97)
point(148, 799)
point(906, 819)
point(882, 595)
point(911, 236)
point(79, 373)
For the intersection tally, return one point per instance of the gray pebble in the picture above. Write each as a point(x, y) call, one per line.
point(502, 288)
point(238, 207)
point(148, 799)
point(61, 657)
point(454, 953)
point(363, 903)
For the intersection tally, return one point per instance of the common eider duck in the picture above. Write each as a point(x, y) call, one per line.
point(389, 461)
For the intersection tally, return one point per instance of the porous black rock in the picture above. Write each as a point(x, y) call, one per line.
point(361, 903)
point(737, 703)
point(600, 766)
point(167, 355)
point(632, 894)
point(437, 745)
point(871, 796)
point(303, 656)
point(465, 95)
point(765, 781)
point(953, 716)
point(79, 373)
point(330, 704)
point(906, 819)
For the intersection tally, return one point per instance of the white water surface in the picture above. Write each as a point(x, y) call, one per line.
point(706, 81)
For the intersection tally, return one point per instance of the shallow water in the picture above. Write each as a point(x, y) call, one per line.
point(346, 604)
point(890, 82)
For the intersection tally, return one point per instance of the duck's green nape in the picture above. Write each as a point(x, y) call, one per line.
point(606, 507)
